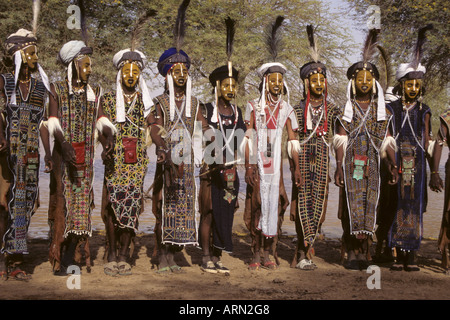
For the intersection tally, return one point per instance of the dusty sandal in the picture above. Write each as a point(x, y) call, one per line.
point(396, 267)
point(221, 268)
point(270, 265)
point(124, 268)
point(209, 267)
point(111, 269)
point(176, 269)
point(254, 266)
point(306, 264)
point(164, 270)
point(19, 275)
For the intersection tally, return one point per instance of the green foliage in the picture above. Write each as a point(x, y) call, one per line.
point(400, 22)
point(110, 23)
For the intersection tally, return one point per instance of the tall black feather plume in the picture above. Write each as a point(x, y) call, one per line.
point(273, 37)
point(387, 66)
point(312, 43)
point(370, 45)
point(180, 25)
point(84, 32)
point(419, 45)
point(230, 23)
point(140, 23)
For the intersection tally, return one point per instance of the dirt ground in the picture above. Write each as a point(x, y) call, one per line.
point(330, 281)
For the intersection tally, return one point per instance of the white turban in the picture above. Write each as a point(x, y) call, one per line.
point(118, 62)
point(274, 67)
point(406, 68)
point(68, 53)
point(15, 44)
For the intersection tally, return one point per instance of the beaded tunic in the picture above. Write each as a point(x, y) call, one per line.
point(314, 160)
point(22, 133)
point(362, 167)
point(180, 206)
point(124, 181)
point(78, 116)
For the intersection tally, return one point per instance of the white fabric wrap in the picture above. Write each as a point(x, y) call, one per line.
point(293, 145)
point(388, 142)
point(406, 68)
point(120, 103)
point(172, 96)
point(54, 125)
point(338, 142)
point(103, 122)
point(381, 104)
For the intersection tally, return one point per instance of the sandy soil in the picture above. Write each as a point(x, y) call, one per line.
point(329, 282)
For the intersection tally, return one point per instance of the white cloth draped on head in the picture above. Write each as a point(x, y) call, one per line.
point(18, 63)
point(261, 72)
point(406, 68)
point(120, 102)
point(188, 96)
point(381, 104)
point(68, 52)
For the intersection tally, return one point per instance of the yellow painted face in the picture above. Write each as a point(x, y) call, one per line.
point(317, 84)
point(412, 88)
point(180, 74)
point(30, 57)
point(130, 74)
point(228, 88)
point(84, 66)
point(364, 82)
point(275, 83)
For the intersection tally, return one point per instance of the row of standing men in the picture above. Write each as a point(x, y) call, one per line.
point(380, 150)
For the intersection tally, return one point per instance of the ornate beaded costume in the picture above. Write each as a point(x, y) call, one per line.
point(124, 179)
point(312, 195)
point(179, 207)
point(410, 200)
point(362, 166)
point(78, 116)
point(22, 132)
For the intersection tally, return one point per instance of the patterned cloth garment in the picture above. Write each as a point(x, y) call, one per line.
point(22, 132)
point(444, 233)
point(269, 131)
point(411, 191)
point(78, 116)
point(362, 167)
point(124, 178)
point(225, 184)
point(180, 208)
point(311, 197)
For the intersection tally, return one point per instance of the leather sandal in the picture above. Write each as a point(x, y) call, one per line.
point(19, 275)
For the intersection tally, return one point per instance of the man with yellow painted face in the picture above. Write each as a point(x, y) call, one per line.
point(315, 116)
point(407, 200)
point(363, 138)
point(127, 108)
point(266, 201)
point(266, 117)
point(175, 119)
point(22, 124)
point(219, 185)
point(73, 114)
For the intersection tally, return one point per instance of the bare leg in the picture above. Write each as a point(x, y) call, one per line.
point(256, 261)
point(266, 258)
point(3, 226)
point(205, 234)
point(111, 236)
